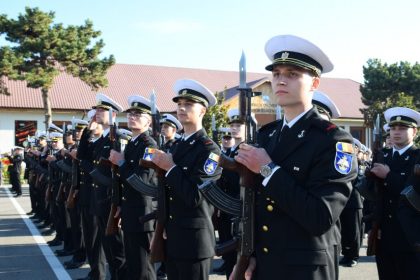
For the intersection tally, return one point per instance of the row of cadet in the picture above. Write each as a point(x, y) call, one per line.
point(121, 198)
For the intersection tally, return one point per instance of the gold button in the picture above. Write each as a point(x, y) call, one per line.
point(267, 198)
point(273, 202)
point(265, 250)
point(170, 198)
point(265, 228)
point(270, 208)
point(170, 216)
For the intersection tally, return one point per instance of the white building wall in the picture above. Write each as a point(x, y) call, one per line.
point(8, 118)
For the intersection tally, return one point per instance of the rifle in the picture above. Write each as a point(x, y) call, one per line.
point(378, 157)
point(71, 200)
point(112, 224)
point(155, 119)
point(157, 246)
point(48, 191)
point(243, 240)
point(215, 134)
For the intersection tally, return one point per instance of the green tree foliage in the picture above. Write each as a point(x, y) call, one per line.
point(40, 50)
point(388, 86)
point(220, 113)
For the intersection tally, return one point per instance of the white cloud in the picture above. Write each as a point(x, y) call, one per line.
point(169, 26)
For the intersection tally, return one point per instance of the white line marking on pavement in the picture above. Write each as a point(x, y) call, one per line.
point(52, 260)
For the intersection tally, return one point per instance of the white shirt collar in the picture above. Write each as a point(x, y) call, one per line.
point(105, 133)
point(403, 150)
point(185, 137)
point(295, 120)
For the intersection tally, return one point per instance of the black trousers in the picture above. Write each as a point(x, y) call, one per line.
point(225, 234)
point(397, 265)
point(188, 269)
point(136, 245)
point(76, 233)
point(95, 253)
point(15, 181)
point(351, 232)
point(114, 250)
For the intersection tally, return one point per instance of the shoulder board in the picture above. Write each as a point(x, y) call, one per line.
point(269, 125)
point(324, 125)
point(206, 140)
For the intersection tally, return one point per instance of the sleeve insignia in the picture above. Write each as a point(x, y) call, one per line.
point(211, 163)
point(148, 153)
point(343, 157)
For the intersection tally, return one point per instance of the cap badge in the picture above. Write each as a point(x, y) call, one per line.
point(398, 118)
point(284, 55)
point(184, 92)
point(135, 104)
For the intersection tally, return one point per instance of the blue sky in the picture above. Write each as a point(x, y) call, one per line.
point(212, 34)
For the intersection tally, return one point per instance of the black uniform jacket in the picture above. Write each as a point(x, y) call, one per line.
point(135, 205)
point(392, 235)
point(408, 216)
point(297, 212)
point(15, 167)
point(229, 180)
point(190, 233)
point(101, 193)
point(85, 157)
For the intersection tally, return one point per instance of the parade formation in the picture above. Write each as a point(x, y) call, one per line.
point(292, 199)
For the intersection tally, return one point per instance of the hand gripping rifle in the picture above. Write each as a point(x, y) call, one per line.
point(378, 157)
point(245, 208)
point(112, 224)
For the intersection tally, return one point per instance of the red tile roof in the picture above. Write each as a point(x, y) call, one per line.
point(71, 93)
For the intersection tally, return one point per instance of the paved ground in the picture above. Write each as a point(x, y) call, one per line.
point(24, 253)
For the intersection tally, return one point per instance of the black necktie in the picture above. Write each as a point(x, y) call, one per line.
point(283, 132)
point(396, 155)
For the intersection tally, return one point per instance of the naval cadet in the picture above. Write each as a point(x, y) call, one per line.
point(395, 256)
point(351, 217)
point(307, 164)
point(229, 183)
point(192, 161)
point(133, 204)
point(15, 170)
point(101, 176)
point(169, 125)
point(90, 138)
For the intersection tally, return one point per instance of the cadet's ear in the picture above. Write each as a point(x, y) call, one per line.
point(315, 83)
point(203, 111)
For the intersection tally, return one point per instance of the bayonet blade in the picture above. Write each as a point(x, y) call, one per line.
point(242, 71)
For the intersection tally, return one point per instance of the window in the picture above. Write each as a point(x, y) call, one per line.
point(358, 132)
point(23, 129)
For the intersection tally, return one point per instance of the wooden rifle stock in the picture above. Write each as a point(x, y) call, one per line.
point(112, 224)
point(60, 193)
point(241, 266)
point(157, 246)
point(71, 199)
point(373, 240)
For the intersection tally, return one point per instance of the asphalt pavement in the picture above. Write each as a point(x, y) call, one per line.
point(24, 253)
